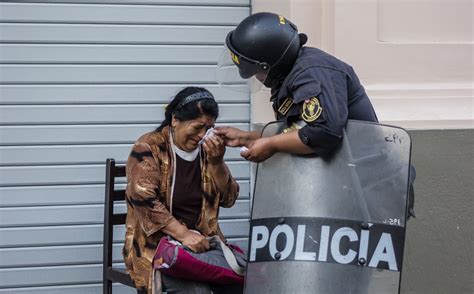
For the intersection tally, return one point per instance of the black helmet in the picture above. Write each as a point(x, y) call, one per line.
point(265, 43)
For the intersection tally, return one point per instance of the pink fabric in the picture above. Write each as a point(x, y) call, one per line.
point(186, 266)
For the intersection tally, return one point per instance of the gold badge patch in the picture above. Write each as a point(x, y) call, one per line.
point(285, 106)
point(311, 110)
point(235, 58)
point(282, 19)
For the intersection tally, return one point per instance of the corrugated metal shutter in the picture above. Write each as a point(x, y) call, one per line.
point(80, 81)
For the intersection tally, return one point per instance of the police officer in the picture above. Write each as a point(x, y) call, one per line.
point(313, 91)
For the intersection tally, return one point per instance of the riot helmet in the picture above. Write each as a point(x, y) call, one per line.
point(265, 45)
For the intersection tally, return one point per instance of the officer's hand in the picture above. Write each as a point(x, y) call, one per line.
point(259, 150)
point(231, 135)
point(215, 149)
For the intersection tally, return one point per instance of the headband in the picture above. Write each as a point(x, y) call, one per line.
point(194, 97)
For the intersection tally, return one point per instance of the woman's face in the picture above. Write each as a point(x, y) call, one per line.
point(187, 134)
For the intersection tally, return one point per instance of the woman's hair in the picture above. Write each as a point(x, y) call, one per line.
point(183, 110)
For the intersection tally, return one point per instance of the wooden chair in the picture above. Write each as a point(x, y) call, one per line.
point(110, 274)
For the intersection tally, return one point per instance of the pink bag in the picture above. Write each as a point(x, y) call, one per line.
point(222, 264)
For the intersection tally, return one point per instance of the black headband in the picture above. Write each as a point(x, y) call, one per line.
point(194, 97)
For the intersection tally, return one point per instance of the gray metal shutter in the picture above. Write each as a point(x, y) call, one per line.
point(80, 81)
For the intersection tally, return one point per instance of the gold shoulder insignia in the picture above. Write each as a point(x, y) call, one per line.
point(285, 106)
point(282, 19)
point(311, 110)
point(235, 58)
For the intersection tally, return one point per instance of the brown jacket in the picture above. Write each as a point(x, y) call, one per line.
point(149, 179)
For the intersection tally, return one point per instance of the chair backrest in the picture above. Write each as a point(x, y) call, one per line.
point(110, 218)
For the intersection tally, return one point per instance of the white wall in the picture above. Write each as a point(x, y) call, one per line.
point(413, 56)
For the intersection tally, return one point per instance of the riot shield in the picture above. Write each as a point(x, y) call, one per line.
point(331, 226)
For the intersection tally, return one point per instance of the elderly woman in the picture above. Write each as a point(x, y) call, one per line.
point(175, 186)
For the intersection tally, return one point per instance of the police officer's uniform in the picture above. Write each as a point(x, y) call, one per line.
point(324, 92)
point(315, 92)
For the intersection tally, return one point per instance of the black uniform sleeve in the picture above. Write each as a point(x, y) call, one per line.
point(321, 95)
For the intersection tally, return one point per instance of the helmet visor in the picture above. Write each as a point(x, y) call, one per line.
point(231, 73)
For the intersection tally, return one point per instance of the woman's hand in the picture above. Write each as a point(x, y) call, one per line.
point(192, 239)
point(215, 149)
point(195, 241)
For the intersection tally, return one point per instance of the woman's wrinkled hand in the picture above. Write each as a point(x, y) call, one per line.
point(215, 149)
point(195, 241)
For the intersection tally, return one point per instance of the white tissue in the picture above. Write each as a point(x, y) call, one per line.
point(208, 134)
